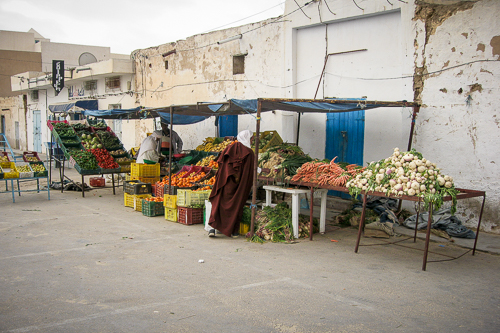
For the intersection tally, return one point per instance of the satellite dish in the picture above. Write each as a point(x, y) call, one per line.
point(86, 58)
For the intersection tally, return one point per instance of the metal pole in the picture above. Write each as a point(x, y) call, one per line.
point(361, 223)
point(256, 165)
point(479, 224)
point(311, 224)
point(170, 152)
point(427, 237)
point(416, 109)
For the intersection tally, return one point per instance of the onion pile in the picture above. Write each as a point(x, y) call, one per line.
point(405, 173)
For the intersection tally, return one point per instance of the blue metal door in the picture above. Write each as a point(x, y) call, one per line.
point(37, 131)
point(345, 135)
point(228, 126)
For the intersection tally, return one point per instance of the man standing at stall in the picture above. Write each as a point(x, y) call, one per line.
point(233, 183)
point(165, 133)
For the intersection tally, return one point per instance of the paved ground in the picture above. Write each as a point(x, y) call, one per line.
point(76, 264)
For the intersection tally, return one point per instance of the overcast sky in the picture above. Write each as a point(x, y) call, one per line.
point(127, 25)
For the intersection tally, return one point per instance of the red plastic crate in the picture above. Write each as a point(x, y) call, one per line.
point(50, 122)
point(30, 156)
point(188, 216)
point(97, 181)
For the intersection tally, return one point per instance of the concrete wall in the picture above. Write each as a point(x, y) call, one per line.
point(69, 53)
point(17, 41)
point(440, 54)
point(13, 110)
point(202, 70)
point(457, 48)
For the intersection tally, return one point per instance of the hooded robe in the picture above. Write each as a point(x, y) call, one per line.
point(233, 183)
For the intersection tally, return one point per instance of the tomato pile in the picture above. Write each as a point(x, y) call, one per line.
point(104, 159)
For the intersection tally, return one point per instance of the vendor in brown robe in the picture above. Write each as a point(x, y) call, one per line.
point(233, 183)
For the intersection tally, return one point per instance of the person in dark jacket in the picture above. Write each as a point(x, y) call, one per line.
point(233, 183)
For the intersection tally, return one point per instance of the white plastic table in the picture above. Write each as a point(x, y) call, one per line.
point(296, 204)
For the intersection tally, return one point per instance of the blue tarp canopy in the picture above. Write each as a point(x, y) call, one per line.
point(191, 114)
point(178, 119)
point(86, 104)
point(135, 113)
point(249, 106)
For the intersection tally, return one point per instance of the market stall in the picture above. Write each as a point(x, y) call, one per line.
point(174, 114)
point(30, 169)
point(93, 150)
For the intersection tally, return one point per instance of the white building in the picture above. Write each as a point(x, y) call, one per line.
point(91, 73)
point(439, 53)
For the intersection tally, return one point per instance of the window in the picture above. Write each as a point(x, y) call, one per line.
point(166, 64)
point(34, 95)
point(114, 106)
point(239, 64)
point(112, 83)
point(91, 85)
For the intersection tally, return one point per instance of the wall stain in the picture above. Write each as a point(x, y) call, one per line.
point(433, 15)
point(475, 87)
point(481, 47)
point(495, 44)
point(466, 35)
point(485, 71)
point(444, 90)
point(446, 64)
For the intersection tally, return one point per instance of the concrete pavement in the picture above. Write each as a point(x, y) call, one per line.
point(76, 264)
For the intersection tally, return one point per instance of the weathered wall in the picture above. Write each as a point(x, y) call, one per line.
point(13, 111)
point(456, 79)
point(202, 70)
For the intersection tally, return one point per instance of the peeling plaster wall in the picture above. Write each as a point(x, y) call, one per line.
point(202, 70)
point(458, 127)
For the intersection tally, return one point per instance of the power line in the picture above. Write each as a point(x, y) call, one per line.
point(265, 10)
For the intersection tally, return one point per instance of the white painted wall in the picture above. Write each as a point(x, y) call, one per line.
point(464, 139)
point(202, 70)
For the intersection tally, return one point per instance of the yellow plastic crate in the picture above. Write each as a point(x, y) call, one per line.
point(187, 198)
point(170, 201)
point(144, 170)
point(171, 214)
point(9, 170)
point(128, 200)
point(244, 228)
point(151, 180)
point(138, 201)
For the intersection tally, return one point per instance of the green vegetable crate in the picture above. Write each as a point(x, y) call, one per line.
point(152, 208)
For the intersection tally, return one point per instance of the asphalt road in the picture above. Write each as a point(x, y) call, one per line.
point(73, 264)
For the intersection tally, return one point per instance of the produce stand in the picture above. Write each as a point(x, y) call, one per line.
point(76, 143)
point(9, 172)
point(463, 194)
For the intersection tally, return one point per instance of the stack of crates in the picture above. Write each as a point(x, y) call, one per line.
point(170, 204)
point(146, 173)
point(134, 192)
point(186, 199)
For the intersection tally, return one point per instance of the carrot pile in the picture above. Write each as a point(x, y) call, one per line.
point(327, 173)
